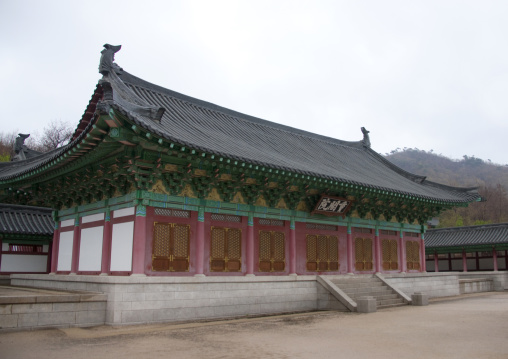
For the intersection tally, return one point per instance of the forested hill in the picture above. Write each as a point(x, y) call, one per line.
point(469, 171)
point(491, 180)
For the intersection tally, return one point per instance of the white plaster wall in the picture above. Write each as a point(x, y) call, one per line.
point(65, 251)
point(93, 218)
point(5, 246)
point(66, 223)
point(24, 263)
point(123, 212)
point(121, 247)
point(90, 251)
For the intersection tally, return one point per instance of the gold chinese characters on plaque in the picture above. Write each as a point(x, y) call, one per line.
point(332, 206)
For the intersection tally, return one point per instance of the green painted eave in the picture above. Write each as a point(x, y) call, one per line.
point(467, 248)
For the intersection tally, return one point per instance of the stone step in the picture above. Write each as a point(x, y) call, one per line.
point(378, 297)
point(391, 305)
point(368, 291)
point(355, 280)
point(383, 302)
point(358, 285)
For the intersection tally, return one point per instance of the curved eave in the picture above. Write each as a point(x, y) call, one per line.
point(472, 197)
point(41, 164)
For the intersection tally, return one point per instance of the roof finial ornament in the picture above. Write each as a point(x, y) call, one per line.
point(20, 147)
point(366, 139)
point(108, 56)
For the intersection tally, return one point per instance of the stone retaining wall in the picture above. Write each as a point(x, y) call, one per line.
point(53, 311)
point(139, 299)
point(444, 284)
point(134, 300)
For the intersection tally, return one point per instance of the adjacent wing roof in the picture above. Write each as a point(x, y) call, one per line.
point(467, 236)
point(15, 219)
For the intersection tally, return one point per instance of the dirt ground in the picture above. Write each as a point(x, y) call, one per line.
point(474, 326)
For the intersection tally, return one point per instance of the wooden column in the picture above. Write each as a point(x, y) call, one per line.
point(350, 263)
point(54, 249)
point(403, 263)
point(76, 242)
point(139, 243)
point(494, 258)
point(424, 259)
point(249, 255)
point(464, 261)
point(436, 263)
point(292, 247)
point(106, 244)
point(200, 243)
point(377, 251)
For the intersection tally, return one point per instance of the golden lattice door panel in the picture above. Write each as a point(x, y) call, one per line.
point(225, 251)
point(363, 254)
point(322, 253)
point(413, 255)
point(272, 251)
point(170, 247)
point(390, 255)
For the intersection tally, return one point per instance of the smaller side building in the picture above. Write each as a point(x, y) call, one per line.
point(465, 249)
point(25, 239)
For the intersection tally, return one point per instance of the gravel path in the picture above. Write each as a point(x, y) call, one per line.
point(474, 326)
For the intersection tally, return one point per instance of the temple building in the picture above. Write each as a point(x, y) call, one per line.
point(158, 183)
point(468, 249)
point(26, 234)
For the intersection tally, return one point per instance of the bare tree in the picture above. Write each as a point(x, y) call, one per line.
point(55, 135)
point(7, 140)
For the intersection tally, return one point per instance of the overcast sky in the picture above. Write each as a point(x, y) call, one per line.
point(425, 74)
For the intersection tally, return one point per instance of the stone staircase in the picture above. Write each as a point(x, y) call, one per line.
point(369, 285)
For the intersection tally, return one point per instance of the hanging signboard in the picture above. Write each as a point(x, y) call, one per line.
point(332, 206)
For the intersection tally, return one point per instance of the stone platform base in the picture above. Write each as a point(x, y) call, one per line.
point(140, 300)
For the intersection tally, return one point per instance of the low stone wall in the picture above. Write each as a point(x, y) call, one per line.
point(445, 284)
point(52, 311)
point(475, 285)
point(135, 300)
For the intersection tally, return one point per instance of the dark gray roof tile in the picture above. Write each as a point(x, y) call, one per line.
point(467, 236)
point(16, 219)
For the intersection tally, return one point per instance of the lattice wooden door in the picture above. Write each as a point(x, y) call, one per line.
point(390, 254)
point(413, 255)
point(363, 254)
point(272, 251)
point(170, 247)
point(225, 251)
point(322, 253)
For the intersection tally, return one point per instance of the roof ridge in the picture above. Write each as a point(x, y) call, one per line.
point(126, 77)
point(472, 227)
point(4, 207)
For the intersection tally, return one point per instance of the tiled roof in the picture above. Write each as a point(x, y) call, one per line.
point(213, 129)
point(467, 236)
point(15, 219)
